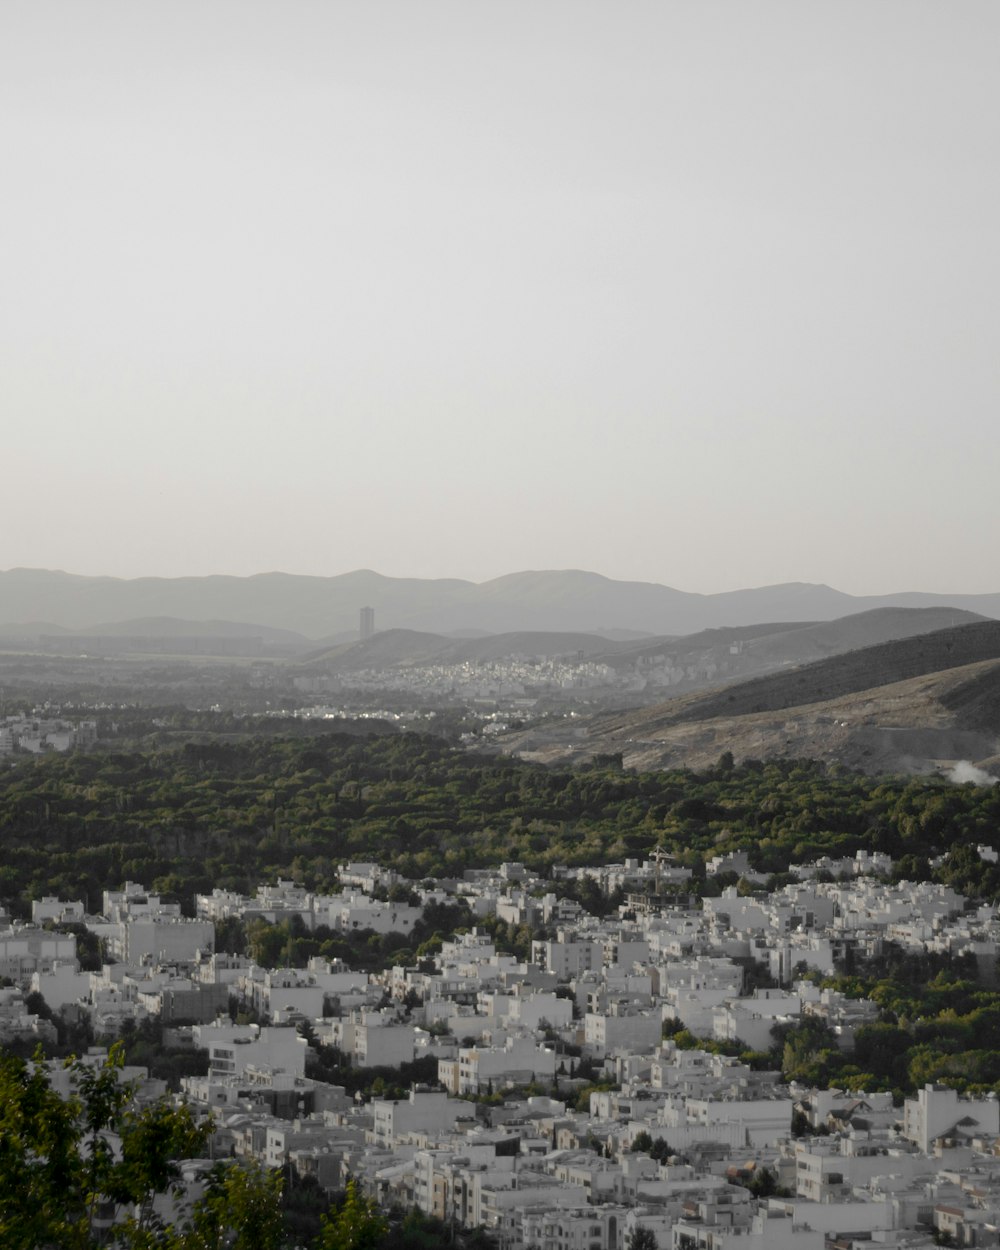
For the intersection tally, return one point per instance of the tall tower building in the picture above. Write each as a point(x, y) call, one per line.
point(367, 623)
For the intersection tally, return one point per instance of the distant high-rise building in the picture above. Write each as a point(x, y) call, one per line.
point(367, 623)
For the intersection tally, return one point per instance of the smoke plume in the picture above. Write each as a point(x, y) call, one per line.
point(965, 771)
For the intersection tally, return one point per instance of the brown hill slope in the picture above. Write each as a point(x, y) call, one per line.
point(715, 657)
point(860, 670)
point(919, 725)
point(904, 705)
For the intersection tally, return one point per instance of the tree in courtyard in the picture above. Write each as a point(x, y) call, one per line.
point(642, 1238)
point(357, 1225)
point(240, 1210)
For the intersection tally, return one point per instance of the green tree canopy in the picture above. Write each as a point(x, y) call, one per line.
point(83, 1172)
point(357, 1225)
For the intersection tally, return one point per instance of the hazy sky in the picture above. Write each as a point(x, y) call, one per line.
point(699, 293)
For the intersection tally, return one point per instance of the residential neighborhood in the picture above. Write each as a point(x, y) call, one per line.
point(564, 1099)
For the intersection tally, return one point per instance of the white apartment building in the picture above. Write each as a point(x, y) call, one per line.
point(25, 950)
point(163, 939)
point(380, 1040)
point(938, 1111)
point(519, 1059)
point(423, 1111)
point(233, 1048)
point(622, 1028)
point(135, 902)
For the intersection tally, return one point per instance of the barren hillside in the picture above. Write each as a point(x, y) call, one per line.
point(913, 705)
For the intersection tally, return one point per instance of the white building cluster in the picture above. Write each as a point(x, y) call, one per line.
point(36, 735)
point(351, 909)
point(611, 1122)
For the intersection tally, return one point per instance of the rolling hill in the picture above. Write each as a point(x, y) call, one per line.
point(914, 704)
point(407, 648)
point(650, 667)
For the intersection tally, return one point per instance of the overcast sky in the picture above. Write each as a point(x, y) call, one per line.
point(698, 293)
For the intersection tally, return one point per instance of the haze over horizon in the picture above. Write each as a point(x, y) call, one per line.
point(689, 293)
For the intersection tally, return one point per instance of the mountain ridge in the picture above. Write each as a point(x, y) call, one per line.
point(568, 600)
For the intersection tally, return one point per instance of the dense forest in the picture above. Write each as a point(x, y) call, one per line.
point(186, 817)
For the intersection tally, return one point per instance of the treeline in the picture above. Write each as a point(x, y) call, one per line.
point(938, 1022)
point(183, 819)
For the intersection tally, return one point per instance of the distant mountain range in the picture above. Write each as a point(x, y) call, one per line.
point(327, 608)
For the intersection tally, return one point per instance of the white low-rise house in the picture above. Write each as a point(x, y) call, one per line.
point(762, 1120)
point(56, 910)
point(701, 1074)
point(527, 1010)
point(734, 861)
point(258, 1092)
point(443, 1185)
point(843, 1015)
point(518, 907)
point(867, 1217)
point(353, 910)
point(338, 1032)
point(283, 896)
point(64, 1079)
point(220, 968)
point(701, 972)
point(111, 1001)
point(841, 1107)
point(625, 948)
point(819, 952)
point(598, 992)
point(367, 877)
point(866, 905)
point(220, 905)
point(750, 1020)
